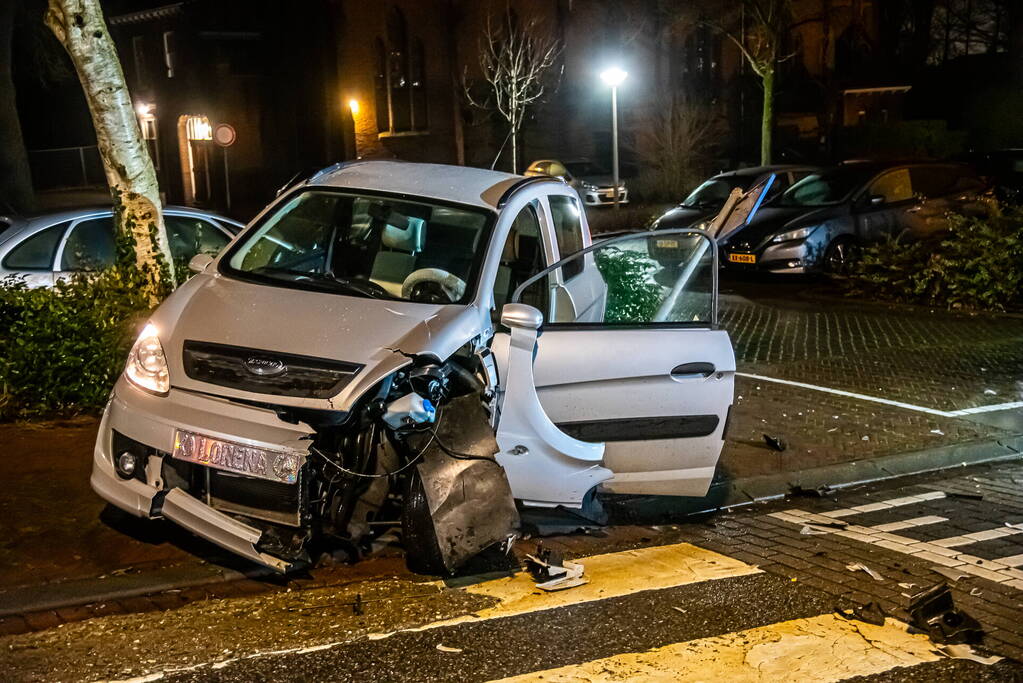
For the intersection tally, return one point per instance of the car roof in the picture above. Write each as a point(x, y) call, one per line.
point(761, 170)
point(72, 213)
point(461, 184)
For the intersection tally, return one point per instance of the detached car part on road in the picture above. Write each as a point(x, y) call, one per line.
point(339, 366)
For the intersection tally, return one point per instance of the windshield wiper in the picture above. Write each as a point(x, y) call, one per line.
point(366, 289)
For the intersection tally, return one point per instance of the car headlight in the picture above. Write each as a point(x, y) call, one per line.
point(589, 187)
point(147, 365)
point(800, 234)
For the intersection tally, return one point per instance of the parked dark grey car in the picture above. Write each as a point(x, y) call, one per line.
point(819, 223)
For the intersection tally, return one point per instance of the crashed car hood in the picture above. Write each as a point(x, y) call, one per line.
point(374, 333)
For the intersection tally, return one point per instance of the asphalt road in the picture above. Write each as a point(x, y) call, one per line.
point(745, 596)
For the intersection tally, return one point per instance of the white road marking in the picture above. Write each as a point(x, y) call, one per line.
point(940, 552)
point(816, 649)
point(886, 401)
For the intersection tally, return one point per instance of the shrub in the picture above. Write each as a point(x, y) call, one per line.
point(675, 147)
point(62, 348)
point(977, 264)
point(632, 295)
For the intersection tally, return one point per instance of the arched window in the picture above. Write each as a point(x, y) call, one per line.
point(401, 78)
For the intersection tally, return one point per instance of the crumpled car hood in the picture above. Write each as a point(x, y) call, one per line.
point(374, 333)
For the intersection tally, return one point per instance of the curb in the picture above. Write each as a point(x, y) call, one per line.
point(748, 490)
point(78, 592)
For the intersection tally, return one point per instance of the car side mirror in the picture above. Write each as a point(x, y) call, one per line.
point(876, 200)
point(200, 262)
point(522, 316)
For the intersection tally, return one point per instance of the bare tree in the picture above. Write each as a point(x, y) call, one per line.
point(516, 61)
point(760, 42)
point(80, 27)
point(676, 143)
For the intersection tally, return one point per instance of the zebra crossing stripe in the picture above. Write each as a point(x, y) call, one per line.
point(817, 649)
point(610, 575)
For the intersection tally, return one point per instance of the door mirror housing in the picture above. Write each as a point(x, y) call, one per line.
point(522, 316)
point(200, 262)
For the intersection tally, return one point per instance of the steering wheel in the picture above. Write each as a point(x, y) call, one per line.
point(433, 285)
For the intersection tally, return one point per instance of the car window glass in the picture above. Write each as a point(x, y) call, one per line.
point(556, 169)
point(36, 252)
point(90, 245)
point(894, 186)
point(712, 193)
point(568, 231)
point(521, 257)
point(367, 245)
point(676, 287)
point(189, 236)
point(933, 180)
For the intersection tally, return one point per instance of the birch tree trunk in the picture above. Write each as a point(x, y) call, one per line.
point(767, 117)
point(80, 27)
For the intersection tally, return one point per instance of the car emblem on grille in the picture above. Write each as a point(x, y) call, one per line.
point(265, 367)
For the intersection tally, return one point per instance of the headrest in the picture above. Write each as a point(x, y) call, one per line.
point(408, 240)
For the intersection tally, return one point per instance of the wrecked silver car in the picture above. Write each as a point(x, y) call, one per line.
point(367, 351)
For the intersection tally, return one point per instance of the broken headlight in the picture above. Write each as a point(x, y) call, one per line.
point(147, 364)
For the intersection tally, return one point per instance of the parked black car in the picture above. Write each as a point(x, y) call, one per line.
point(820, 222)
point(706, 200)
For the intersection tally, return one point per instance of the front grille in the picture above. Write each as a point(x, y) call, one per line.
point(258, 498)
point(240, 368)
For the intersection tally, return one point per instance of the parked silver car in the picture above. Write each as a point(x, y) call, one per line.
point(42, 249)
point(367, 351)
point(594, 184)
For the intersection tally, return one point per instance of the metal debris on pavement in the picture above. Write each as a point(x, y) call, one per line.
point(551, 573)
point(856, 566)
point(775, 443)
point(357, 608)
point(933, 611)
point(949, 573)
point(808, 530)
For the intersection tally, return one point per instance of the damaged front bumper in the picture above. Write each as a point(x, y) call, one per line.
point(152, 421)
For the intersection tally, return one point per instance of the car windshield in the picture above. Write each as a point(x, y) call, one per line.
point(715, 191)
point(366, 245)
point(823, 189)
point(584, 168)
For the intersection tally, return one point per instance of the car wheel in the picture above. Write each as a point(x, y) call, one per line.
point(841, 255)
point(422, 552)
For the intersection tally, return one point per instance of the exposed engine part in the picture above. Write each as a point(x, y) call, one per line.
point(459, 501)
point(408, 411)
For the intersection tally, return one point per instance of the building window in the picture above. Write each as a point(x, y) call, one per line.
point(400, 79)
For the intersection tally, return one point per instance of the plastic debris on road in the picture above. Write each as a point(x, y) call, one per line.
point(856, 566)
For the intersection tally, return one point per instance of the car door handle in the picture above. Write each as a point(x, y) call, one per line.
point(692, 370)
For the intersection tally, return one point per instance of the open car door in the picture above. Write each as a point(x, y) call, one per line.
point(635, 399)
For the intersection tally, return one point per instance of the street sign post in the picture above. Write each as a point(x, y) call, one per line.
point(224, 135)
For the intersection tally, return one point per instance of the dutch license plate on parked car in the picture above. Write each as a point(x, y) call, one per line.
point(742, 258)
point(263, 463)
point(667, 244)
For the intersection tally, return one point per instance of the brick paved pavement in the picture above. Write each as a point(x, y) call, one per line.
point(995, 598)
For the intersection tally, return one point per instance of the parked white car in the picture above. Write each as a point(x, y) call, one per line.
point(376, 330)
point(594, 184)
point(45, 248)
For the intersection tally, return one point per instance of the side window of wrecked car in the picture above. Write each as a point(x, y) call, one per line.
point(522, 256)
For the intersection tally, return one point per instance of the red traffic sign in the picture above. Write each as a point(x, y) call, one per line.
point(224, 134)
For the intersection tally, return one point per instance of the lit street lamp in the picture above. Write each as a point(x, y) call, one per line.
point(614, 77)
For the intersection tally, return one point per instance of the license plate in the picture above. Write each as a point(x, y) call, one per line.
point(280, 466)
point(742, 258)
point(667, 244)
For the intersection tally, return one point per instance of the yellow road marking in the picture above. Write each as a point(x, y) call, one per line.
point(610, 576)
point(822, 648)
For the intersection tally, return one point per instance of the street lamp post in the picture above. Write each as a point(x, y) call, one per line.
point(614, 77)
